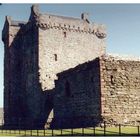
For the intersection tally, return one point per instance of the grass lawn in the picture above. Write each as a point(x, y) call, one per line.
point(110, 131)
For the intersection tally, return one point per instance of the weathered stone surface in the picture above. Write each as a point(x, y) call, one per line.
point(90, 88)
point(121, 90)
point(55, 62)
point(77, 97)
point(35, 51)
point(105, 89)
point(71, 46)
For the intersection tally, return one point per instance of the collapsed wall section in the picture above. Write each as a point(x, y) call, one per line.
point(120, 90)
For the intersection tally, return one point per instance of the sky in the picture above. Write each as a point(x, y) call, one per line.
point(122, 22)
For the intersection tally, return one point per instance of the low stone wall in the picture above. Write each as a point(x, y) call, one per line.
point(120, 87)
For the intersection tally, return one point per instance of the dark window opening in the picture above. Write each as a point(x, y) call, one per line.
point(112, 79)
point(65, 35)
point(67, 89)
point(55, 57)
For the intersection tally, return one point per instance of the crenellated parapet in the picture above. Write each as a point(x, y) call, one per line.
point(98, 30)
point(48, 21)
point(83, 25)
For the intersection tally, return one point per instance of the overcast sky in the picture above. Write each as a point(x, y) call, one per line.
point(122, 22)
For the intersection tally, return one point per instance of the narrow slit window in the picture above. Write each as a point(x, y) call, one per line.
point(55, 57)
point(65, 35)
point(112, 79)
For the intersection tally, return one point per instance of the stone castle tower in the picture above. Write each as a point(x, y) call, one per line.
point(35, 52)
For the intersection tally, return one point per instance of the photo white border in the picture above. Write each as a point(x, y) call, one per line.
point(67, 2)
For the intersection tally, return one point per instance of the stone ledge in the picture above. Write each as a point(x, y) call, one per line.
point(120, 57)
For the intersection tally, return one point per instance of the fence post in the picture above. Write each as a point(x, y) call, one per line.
point(18, 125)
point(72, 131)
point(2, 126)
point(37, 132)
point(52, 131)
point(61, 131)
point(9, 128)
point(104, 128)
point(82, 131)
point(94, 130)
point(44, 131)
point(119, 129)
point(138, 130)
point(2, 129)
point(31, 131)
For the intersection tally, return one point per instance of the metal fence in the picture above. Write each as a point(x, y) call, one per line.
point(104, 130)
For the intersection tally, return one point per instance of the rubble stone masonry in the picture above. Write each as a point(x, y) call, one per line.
point(65, 43)
point(77, 101)
point(60, 63)
point(120, 90)
point(35, 52)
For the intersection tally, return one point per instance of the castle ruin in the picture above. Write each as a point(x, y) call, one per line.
point(60, 63)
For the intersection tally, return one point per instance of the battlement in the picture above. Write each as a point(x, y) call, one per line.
point(47, 21)
point(83, 25)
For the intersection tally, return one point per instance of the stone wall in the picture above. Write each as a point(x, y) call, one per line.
point(35, 52)
point(105, 89)
point(77, 97)
point(24, 101)
point(12, 72)
point(65, 43)
point(88, 88)
point(120, 87)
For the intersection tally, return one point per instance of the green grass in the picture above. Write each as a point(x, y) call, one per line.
point(110, 131)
